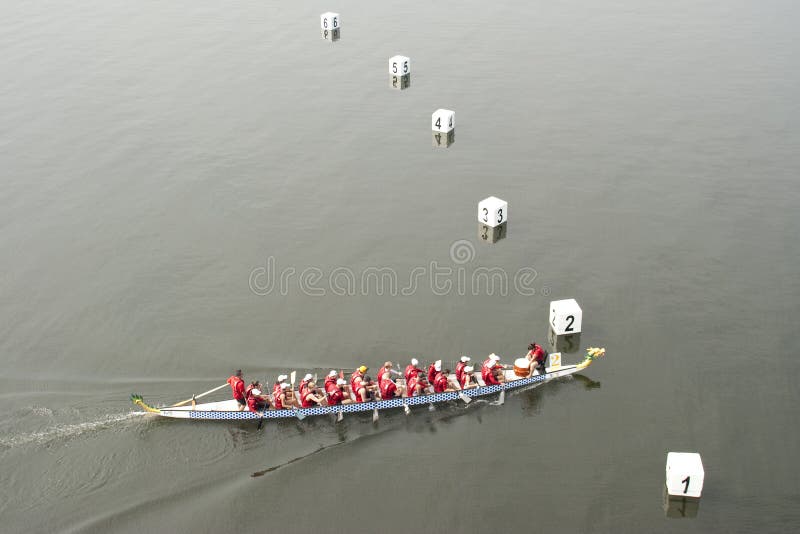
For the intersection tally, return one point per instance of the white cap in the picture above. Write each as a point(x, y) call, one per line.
point(465, 359)
point(255, 391)
point(438, 365)
point(468, 369)
point(285, 385)
point(414, 361)
point(341, 382)
point(281, 378)
point(308, 377)
point(332, 373)
point(494, 357)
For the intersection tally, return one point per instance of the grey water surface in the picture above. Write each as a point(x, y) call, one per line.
point(191, 187)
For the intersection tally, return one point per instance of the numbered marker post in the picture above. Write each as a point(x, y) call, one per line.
point(492, 211)
point(565, 317)
point(685, 474)
point(399, 65)
point(443, 120)
point(330, 26)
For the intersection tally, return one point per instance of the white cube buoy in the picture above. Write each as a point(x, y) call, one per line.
point(565, 316)
point(399, 65)
point(443, 120)
point(330, 21)
point(492, 211)
point(685, 474)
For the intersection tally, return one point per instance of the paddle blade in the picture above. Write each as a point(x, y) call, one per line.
point(431, 408)
point(406, 409)
point(502, 397)
point(340, 417)
point(293, 376)
point(300, 415)
point(375, 415)
point(464, 397)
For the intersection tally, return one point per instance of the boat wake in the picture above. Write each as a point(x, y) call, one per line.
point(60, 432)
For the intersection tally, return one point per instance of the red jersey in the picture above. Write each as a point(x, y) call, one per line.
point(432, 372)
point(356, 381)
point(335, 397)
point(439, 383)
point(256, 404)
point(460, 370)
point(463, 380)
point(330, 381)
point(279, 401)
point(276, 390)
point(330, 387)
point(388, 389)
point(412, 385)
point(487, 374)
point(537, 354)
point(237, 386)
point(411, 370)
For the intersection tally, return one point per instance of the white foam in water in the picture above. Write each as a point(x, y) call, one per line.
point(65, 431)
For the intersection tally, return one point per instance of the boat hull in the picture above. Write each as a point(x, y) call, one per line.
point(225, 411)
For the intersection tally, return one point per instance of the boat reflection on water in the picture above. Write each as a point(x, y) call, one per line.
point(566, 344)
point(680, 507)
point(533, 399)
point(492, 235)
point(332, 35)
point(444, 140)
point(400, 82)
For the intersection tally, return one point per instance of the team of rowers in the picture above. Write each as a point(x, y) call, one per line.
point(361, 387)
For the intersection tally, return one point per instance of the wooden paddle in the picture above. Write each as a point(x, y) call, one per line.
point(198, 396)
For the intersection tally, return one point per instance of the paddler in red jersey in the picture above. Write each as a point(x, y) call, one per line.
point(388, 389)
point(467, 379)
point(310, 394)
point(330, 381)
point(460, 367)
point(441, 382)
point(237, 386)
point(412, 370)
point(536, 355)
point(357, 385)
point(416, 386)
point(432, 370)
point(387, 368)
point(279, 401)
point(256, 401)
point(276, 388)
point(492, 370)
point(339, 395)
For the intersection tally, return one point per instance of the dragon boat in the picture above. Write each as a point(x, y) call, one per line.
point(228, 409)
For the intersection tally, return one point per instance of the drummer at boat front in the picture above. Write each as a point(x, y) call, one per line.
point(467, 379)
point(236, 382)
point(441, 382)
point(536, 355)
point(492, 370)
point(460, 367)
